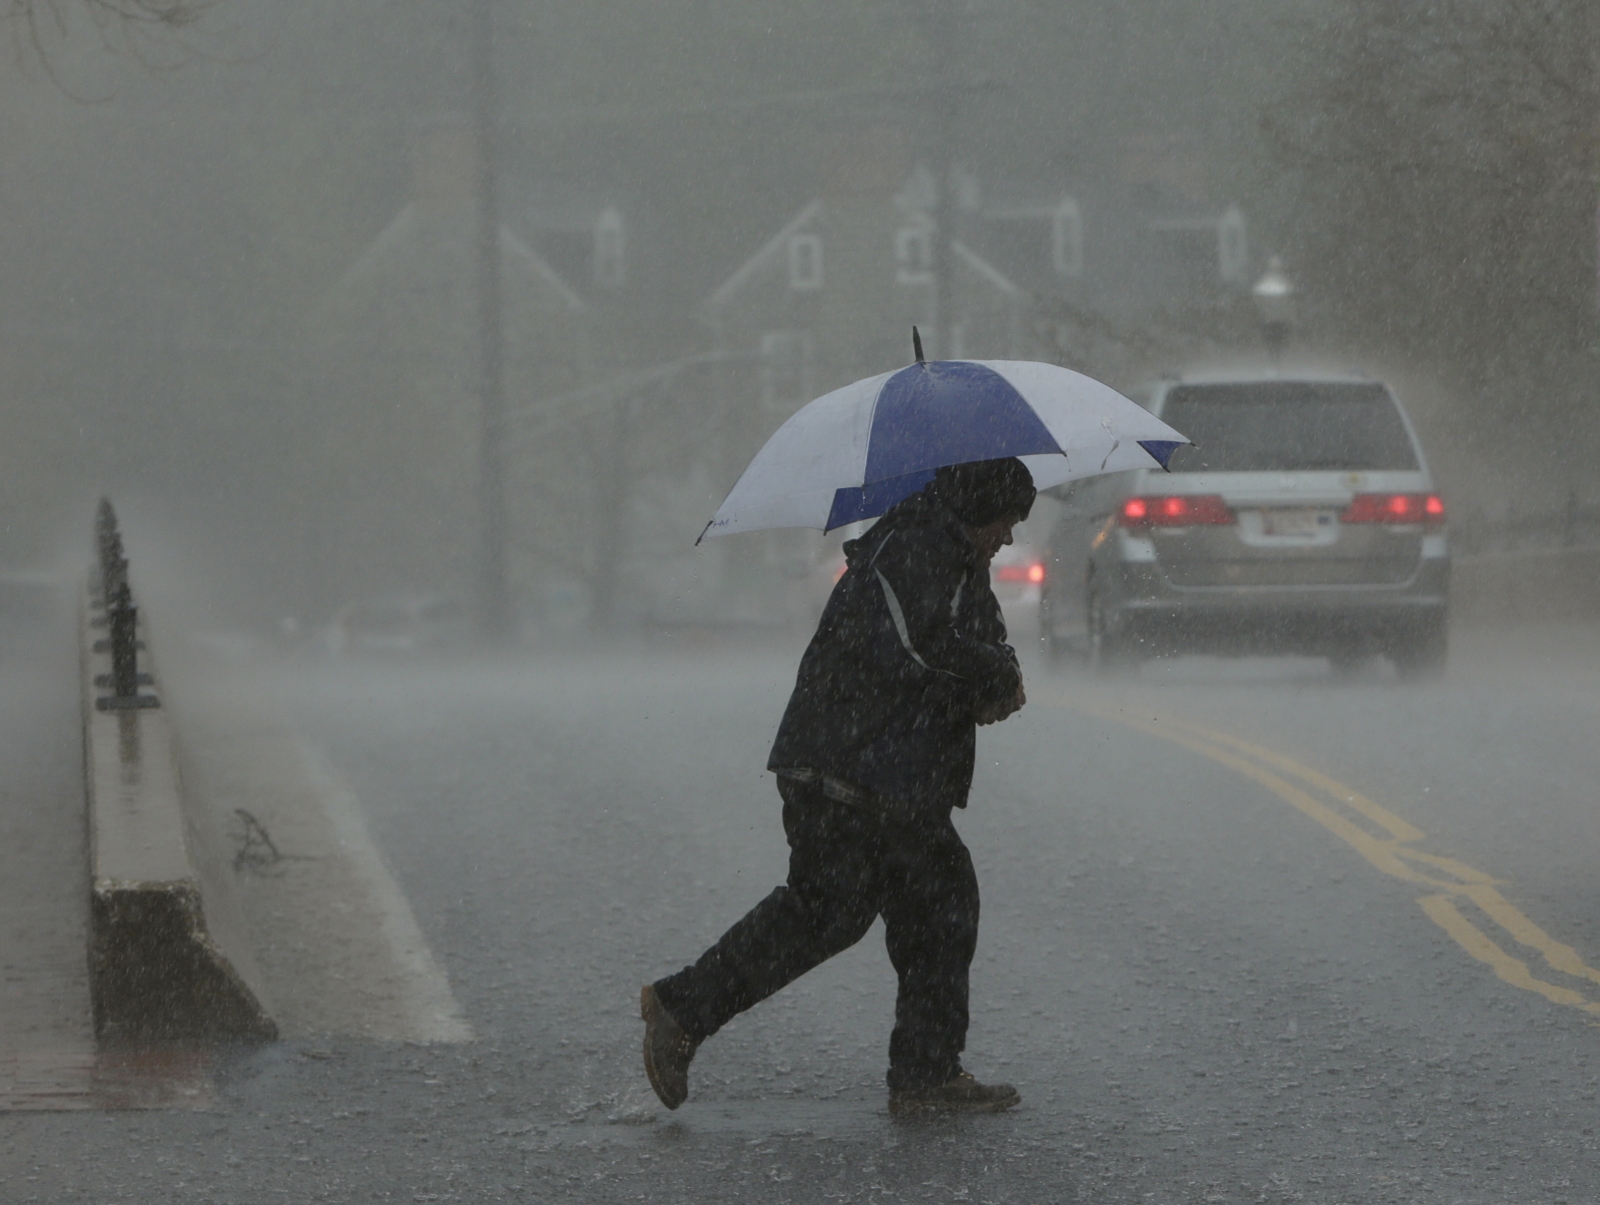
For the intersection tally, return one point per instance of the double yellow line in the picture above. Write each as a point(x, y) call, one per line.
point(1390, 844)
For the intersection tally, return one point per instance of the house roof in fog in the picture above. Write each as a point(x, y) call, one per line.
point(983, 267)
point(1141, 246)
point(396, 241)
point(774, 246)
point(514, 250)
point(380, 250)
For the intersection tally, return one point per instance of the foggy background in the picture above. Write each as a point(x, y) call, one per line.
point(336, 315)
point(239, 291)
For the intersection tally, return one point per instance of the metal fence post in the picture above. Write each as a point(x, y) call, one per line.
point(124, 626)
point(121, 621)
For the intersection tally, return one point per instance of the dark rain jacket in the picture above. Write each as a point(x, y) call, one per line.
point(910, 647)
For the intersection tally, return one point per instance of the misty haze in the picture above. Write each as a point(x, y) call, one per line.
point(492, 493)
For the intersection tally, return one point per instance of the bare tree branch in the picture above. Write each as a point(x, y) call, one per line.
point(173, 14)
point(155, 32)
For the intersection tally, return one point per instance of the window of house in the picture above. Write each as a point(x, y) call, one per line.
point(786, 375)
point(610, 248)
point(1066, 238)
point(913, 255)
point(805, 262)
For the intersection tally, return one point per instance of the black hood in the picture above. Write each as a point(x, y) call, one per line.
point(923, 509)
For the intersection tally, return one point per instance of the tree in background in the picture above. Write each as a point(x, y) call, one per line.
point(1444, 159)
point(169, 13)
point(140, 25)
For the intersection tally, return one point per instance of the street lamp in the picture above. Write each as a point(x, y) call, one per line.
point(1274, 298)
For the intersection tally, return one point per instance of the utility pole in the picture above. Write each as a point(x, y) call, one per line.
point(493, 601)
point(946, 99)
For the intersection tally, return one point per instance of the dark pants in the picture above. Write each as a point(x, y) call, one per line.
point(849, 864)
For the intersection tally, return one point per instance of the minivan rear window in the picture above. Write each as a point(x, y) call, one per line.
point(1284, 426)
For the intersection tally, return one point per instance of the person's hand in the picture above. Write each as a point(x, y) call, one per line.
point(999, 711)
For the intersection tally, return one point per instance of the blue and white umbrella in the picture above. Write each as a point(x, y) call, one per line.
point(853, 453)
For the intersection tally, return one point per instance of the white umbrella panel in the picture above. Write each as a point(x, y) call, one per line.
point(853, 453)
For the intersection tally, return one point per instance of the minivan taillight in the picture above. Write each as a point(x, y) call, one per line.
point(1175, 510)
point(1398, 509)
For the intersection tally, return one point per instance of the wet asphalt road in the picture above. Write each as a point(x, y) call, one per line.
point(1251, 932)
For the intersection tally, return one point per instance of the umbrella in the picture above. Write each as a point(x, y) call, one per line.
point(853, 453)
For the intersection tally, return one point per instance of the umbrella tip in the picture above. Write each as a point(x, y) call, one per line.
point(916, 345)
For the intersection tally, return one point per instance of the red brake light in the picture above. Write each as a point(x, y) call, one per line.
point(1396, 509)
point(1175, 510)
point(1032, 572)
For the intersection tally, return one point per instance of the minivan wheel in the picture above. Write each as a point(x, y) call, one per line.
point(1421, 658)
point(1105, 649)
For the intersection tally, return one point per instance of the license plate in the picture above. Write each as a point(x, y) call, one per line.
point(1303, 524)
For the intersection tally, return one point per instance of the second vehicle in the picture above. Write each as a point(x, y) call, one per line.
point(1303, 521)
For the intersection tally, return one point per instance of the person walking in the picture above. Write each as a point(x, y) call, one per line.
point(874, 751)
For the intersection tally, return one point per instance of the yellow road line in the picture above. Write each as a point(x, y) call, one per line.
point(1560, 957)
point(1393, 853)
point(1397, 828)
point(1403, 831)
point(1444, 913)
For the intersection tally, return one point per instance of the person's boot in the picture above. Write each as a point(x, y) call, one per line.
point(958, 1094)
point(668, 1050)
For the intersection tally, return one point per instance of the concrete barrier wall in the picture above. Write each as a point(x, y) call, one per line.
point(1533, 585)
point(163, 959)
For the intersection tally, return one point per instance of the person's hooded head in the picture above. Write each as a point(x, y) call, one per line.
point(986, 491)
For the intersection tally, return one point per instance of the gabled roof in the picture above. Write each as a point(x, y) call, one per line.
point(773, 247)
point(390, 239)
point(983, 267)
point(514, 250)
point(407, 225)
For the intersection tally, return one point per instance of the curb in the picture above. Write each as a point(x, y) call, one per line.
point(156, 969)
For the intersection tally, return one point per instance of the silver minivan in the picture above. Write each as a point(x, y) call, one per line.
point(1303, 521)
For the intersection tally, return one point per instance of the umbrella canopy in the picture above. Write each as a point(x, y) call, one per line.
point(853, 453)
